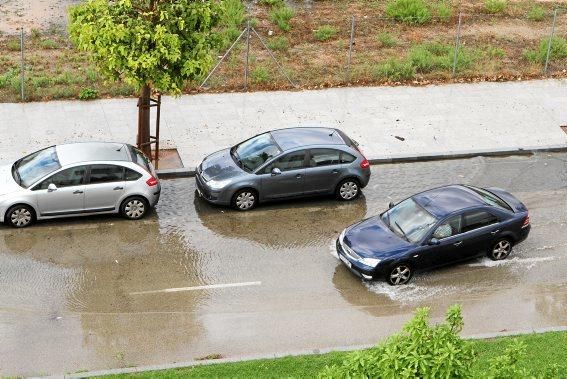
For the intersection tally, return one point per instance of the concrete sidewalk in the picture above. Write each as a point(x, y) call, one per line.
point(389, 122)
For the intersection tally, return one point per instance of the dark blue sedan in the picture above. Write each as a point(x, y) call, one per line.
point(434, 228)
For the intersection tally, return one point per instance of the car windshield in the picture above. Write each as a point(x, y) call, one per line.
point(30, 169)
point(255, 152)
point(409, 220)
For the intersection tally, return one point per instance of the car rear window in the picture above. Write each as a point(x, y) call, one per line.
point(141, 160)
point(490, 198)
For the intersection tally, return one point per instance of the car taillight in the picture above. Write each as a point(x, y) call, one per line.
point(526, 222)
point(152, 181)
point(364, 163)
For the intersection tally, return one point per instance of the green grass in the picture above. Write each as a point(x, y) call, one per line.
point(325, 33)
point(260, 75)
point(394, 69)
point(49, 44)
point(281, 15)
point(386, 39)
point(278, 43)
point(558, 50)
point(436, 56)
point(409, 11)
point(444, 11)
point(536, 13)
point(544, 350)
point(495, 6)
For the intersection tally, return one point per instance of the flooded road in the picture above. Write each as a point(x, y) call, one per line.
point(192, 280)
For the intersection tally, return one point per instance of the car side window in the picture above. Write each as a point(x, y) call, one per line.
point(324, 157)
point(347, 158)
point(288, 162)
point(477, 219)
point(73, 176)
point(449, 228)
point(131, 175)
point(102, 173)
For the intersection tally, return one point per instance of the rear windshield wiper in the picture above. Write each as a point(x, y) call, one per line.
point(235, 156)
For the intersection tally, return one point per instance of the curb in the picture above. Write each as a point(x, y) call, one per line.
point(187, 173)
point(130, 370)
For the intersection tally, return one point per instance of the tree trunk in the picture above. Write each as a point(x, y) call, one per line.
point(144, 121)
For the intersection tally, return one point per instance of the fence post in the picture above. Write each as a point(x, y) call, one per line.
point(350, 45)
point(247, 56)
point(550, 42)
point(457, 45)
point(22, 69)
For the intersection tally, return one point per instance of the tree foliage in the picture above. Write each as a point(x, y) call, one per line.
point(159, 43)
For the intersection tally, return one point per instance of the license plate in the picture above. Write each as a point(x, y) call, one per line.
point(345, 261)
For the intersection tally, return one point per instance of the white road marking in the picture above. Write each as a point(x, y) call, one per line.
point(196, 288)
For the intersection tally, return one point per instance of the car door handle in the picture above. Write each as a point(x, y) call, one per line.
point(335, 171)
point(298, 176)
point(77, 192)
point(118, 188)
point(458, 243)
point(494, 232)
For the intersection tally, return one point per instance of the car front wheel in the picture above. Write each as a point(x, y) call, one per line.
point(348, 189)
point(501, 250)
point(134, 208)
point(245, 199)
point(400, 274)
point(20, 216)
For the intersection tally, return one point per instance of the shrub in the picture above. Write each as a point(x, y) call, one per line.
point(394, 70)
point(40, 81)
point(558, 50)
point(13, 44)
point(495, 6)
point(536, 13)
point(278, 43)
point(6, 78)
point(435, 56)
point(88, 94)
point(386, 39)
point(444, 11)
point(49, 44)
point(281, 15)
point(409, 11)
point(271, 2)
point(260, 75)
point(92, 75)
point(35, 34)
point(495, 52)
point(419, 351)
point(325, 32)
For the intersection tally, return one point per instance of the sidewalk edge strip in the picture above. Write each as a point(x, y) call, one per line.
point(130, 370)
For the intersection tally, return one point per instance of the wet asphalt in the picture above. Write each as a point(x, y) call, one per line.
point(93, 293)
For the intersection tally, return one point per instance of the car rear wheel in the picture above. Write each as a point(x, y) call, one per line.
point(348, 189)
point(245, 199)
point(501, 250)
point(400, 274)
point(20, 216)
point(134, 208)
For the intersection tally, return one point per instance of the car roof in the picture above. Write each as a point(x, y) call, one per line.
point(298, 137)
point(443, 201)
point(71, 153)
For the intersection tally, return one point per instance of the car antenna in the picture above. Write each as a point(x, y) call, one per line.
point(333, 132)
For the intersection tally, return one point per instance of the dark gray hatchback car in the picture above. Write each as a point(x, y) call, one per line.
point(284, 163)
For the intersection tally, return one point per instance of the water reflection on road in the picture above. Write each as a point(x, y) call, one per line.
point(73, 292)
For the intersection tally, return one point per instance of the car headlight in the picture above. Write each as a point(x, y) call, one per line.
point(217, 185)
point(370, 262)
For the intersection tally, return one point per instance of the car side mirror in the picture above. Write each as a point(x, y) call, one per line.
point(391, 205)
point(276, 171)
point(433, 242)
point(51, 187)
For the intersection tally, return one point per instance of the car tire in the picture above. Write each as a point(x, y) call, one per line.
point(348, 189)
point(134, 208)
point(501, 249)
point(245, 199)
point(400, 274)
point(20, 216)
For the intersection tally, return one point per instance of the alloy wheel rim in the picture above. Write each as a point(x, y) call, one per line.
point(21, 217)
point(348, 190)
point(245, 200)
point(400, 275)
point(501, 250)
point(135, 209)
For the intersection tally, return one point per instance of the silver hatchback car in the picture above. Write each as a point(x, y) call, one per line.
point(284, 163)
point(78, 179)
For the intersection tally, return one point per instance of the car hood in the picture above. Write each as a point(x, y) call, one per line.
point(510, 199)
point(371, 238)
point(7, 182)
point(220, 166)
